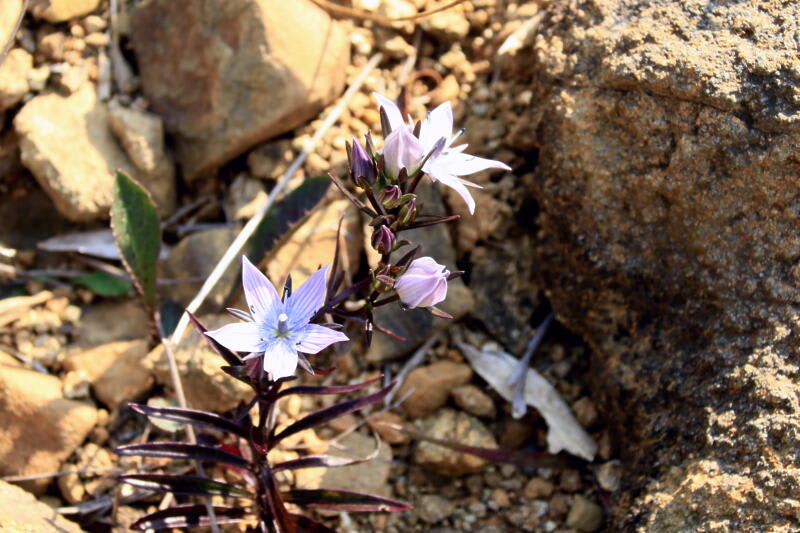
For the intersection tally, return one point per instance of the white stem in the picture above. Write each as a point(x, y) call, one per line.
point(247, 231)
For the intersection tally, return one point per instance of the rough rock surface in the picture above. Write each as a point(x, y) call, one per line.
point(429, 386)
point(20, 511)
point(40, 428)
point(226, 75)
point(668, 136)
point(456, 426)
point(67, 144)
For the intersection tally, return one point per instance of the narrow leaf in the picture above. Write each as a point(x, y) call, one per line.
point(307, 525)
point(164, 425)
point(330, 389)
point(520, 458)
point(230, 357)
point(285, 215)
point(191, 416)
point(137, 231)
point(104, 284)
point(188, 516)
point(343, 500)
point(334, 411)
point(321, 461)
point(189, 485)
point(181, 450)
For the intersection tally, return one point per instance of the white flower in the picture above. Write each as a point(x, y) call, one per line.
point(423, 284)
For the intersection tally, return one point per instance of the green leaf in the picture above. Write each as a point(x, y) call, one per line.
point(285, 215)
point(137, 231)
point(104, 284)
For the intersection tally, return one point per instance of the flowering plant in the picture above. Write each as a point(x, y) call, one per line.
point(278, 331)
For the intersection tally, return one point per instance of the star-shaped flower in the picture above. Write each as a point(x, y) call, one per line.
point(446, 162)
point(277, 329)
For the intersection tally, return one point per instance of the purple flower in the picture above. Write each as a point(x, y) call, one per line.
point(277, 329)
point(402, 150)
point(446, 162)
point(423, 284)
point(361, 163)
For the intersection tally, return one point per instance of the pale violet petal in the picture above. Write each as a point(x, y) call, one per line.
point(280, 359)
point(463, 164)
point(426, 265)
point(305, 301)
point(262, 299)
point(313, 338)
point(402, 150)
point(459, 185)
point(438, 125)
point(239, 337)
point(412, 289)
point(392, 111)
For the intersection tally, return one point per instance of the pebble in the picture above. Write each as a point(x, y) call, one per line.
point(585, 515)
point(538, 488)
point(431, 385)
point(432, 508)
point(585, 412)
point(609, 475)
point(474, 401)
point(570, 480)
point(500, 498)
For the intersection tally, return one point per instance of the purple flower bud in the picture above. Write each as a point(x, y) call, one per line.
point(361, 164)
point(390, 196)
point(383, 239)
point(408, 213)
point(402, 150)
point(423, 284)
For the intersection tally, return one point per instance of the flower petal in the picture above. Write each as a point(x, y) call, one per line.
point(239, 337)
point(262, 299)
point(402, 150)
point(462, 164)
point(313, 338)
point(280, 359)
point(392, 111)
point(438, 125)
point(459, 185)
point(305, 301)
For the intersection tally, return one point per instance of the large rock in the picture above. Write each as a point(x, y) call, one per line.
point(226, 75)
point(10, 12)
point(61, 10)
point(20, 511)
point(668, 181)
point(68, 146)
point(40, 428)
point(14, 72)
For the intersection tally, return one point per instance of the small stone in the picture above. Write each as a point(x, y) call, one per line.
point(431, 385)
point(37, 78)
point(585, 412)
point(538, 488)
point(61, 10)
point(95, 328)
point(98, 40)
point(60, 425)
point(115, 371)
point(527, 516)
point(76, 385)
point(456, 426)
point(584, 515)
point(71, 78)
point(448, 90)
point(500, 498)
point(20, 511)
point(392, 436)
point(433, 508)
point(370, 476)
point(14, 72)
point(474, 401)
point(245, 196)
point(559, 504)
point(94, 24)
point(609, 475)
point(570, 480)
point(450, 24)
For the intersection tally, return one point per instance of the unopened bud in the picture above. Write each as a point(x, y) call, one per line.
point(383, 240)
point(390, 196)
point(408, 213)
point(362, 167)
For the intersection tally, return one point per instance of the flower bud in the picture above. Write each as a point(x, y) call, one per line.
point(361, 164)
point(402, 150)
point(383, 239)
point(423, 284)
point(390, 196)
point(408, 213)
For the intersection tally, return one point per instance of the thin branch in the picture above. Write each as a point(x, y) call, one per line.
point(249, 228)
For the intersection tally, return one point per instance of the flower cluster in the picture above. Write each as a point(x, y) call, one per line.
point(280, 331)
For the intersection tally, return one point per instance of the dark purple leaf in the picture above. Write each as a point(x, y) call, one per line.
point(307, 525)
point(329, 389)
point(177, 484)
point(191, 416)
point(230, 357)
point(317, 461)
point(520, 458)
point(187, 516)
point(334, 411)
point(239, 372)
point(182, 450)
point(343, 500)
